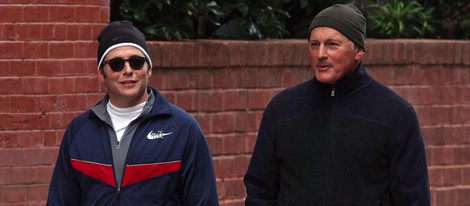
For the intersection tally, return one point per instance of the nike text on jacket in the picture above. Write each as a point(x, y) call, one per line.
point(168, 161)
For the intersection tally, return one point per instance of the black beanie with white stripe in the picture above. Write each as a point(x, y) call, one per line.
point(121, 33)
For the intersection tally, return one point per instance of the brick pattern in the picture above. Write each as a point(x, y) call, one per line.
point(435, 77)
point(48, 76)
point(228, 103)
point(228, 93)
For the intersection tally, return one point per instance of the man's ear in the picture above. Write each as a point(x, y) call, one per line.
point(149, 70)
point(101, 75)
point(360, 54)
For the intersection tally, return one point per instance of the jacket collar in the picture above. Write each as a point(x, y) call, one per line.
point(156, 105)
point(160, 106)
point(350, 83)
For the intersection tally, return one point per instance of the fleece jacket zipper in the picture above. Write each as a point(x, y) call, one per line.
point(330, 143)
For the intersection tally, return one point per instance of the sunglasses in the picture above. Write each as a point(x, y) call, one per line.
point(117, 64)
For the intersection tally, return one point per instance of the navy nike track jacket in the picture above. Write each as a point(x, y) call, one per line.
point(168, 161)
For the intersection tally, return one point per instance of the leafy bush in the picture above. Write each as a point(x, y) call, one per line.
point(264, 19)
point(171, 20)
point(183, 19)
point(234, 19)
point(455, 15)
point(302, 12)
point(397, 19)
point(247, 19)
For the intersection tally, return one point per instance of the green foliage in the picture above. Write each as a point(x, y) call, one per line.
point(455, 15)
point(247, 19)
point(186, 19)
point(265, 19)
point(397, 19)
point(170, 20)
point(302, 12)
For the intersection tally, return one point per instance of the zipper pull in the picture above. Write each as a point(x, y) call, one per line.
point(118, 145)
point(118, 193)
point(333, 92)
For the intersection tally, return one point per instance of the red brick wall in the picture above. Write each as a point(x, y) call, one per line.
point(226, 85)
point(48, 76)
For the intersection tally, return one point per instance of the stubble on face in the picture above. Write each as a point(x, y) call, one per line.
point(332, 55)
point(127, 87)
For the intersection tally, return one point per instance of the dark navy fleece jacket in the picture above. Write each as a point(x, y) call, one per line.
point(354, 143)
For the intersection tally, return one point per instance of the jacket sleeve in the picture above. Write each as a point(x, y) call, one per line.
point(409, 181)
point(198, 175)
point(64, 188)
point(262, 177)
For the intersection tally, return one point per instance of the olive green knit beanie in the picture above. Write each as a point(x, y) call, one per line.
point(345, 18)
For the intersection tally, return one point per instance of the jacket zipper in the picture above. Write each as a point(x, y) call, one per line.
point(118, 192)
point(330, 142)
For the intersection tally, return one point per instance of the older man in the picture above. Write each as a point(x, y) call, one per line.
point(341, 138)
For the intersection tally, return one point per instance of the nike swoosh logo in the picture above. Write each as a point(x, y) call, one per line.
point(157, 135)
point(119, 37)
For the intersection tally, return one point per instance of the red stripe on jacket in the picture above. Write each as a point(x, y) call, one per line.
point(133, 173)
point(137, 173)
point(101, 172)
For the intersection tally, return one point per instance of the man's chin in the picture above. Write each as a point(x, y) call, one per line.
point(324, 78)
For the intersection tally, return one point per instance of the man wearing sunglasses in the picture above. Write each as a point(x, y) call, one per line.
point(133, 147)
